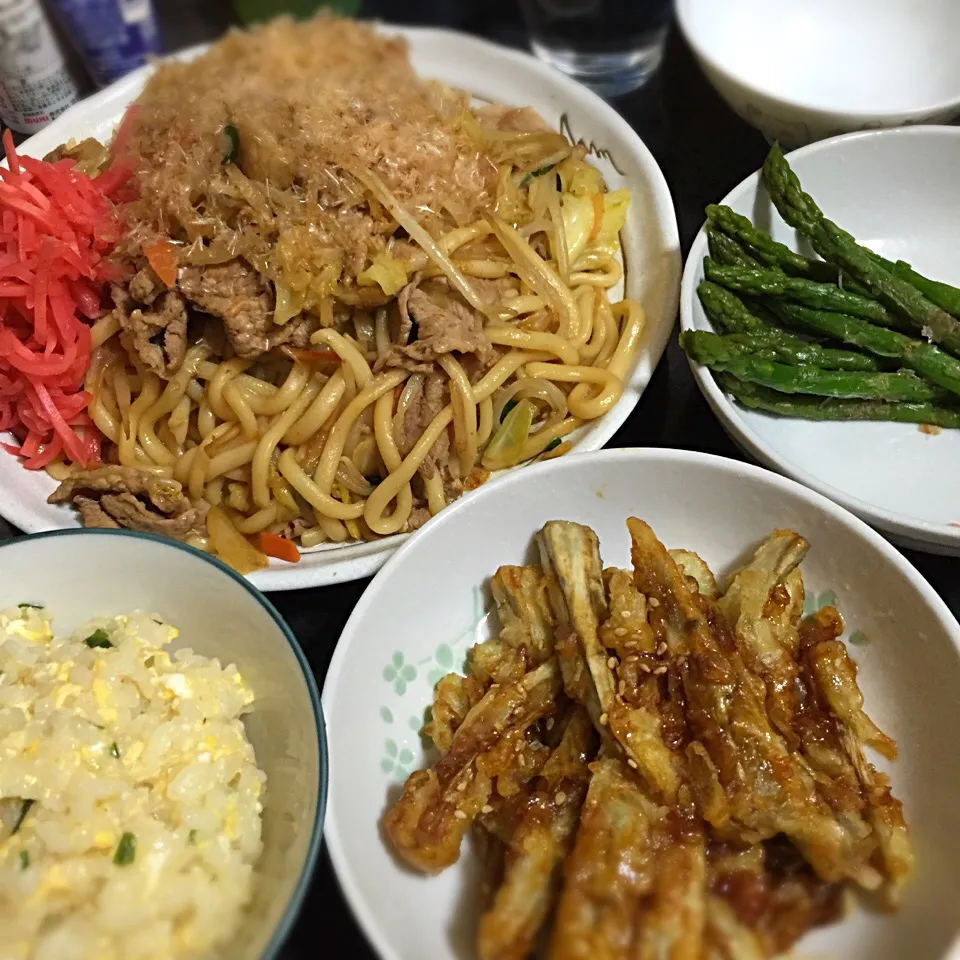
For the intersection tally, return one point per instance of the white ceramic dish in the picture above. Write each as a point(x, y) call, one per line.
point(81, 574)
point(650, 241)
point(422, 612)
point(896, 191)
point(803, 70)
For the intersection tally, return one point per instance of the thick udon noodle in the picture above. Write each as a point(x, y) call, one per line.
point(306, 444)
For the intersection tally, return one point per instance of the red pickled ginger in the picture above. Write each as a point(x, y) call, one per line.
point(56, 226)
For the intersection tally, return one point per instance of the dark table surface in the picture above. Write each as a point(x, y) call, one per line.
point(704, 150)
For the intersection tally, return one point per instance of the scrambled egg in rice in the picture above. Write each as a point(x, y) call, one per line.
point(129, 793)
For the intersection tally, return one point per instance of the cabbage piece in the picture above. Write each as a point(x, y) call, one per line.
point(578, 223)
point(231, 546)
point(386, 271)
point(507, 444)
point(580, 178)
point(615, 207)
point(289, 302)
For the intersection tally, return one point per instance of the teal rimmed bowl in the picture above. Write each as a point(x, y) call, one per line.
point(80, 574)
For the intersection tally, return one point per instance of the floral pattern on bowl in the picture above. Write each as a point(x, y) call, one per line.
point(410, 685)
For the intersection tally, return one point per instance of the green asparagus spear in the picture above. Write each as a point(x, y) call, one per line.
point(802, 353)
point(839, 247)
point(923, 358)
point(821, 296)
point(725, 250)
point(942, 294)
point(710, 350)
point(728, 312)
point(816, 408)
point(761, 246)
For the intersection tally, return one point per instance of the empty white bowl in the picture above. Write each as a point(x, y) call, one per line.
point(431, 602)
point(81, 574)
point(803, 70)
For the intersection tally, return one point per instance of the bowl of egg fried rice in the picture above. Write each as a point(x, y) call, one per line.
point(163, 766)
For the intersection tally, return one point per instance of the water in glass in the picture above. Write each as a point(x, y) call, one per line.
point(613, 46)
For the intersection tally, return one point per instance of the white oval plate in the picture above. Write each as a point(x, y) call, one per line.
point(897, 192)
point(651, 249)
point(424, 610)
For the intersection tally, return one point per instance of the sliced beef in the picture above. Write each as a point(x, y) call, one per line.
point(432, 396)
point(158, 335)
point(295, 332)
point(239, 296)
point(455, 328)
point(242, 299)
point(113, 497)
point(418, 517)
point(146, 286)
point(404, 326)
point(428, 330)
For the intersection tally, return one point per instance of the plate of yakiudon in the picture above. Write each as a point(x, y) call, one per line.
point(287, 297)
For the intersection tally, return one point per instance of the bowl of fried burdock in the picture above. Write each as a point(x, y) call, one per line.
point(647, 704)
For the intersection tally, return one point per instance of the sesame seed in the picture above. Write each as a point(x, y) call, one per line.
point(559, 798)
point(622, 687)
point(632, 764)
point(461, 786)
point(549, 723)
point(661, 648)
point(620, 632)
point(459, 814)
point(603, 719)
point(654, 602)
point(659, 671)
point(633, 658)
point(612, 663)
point(644, 666)
point(486, 808)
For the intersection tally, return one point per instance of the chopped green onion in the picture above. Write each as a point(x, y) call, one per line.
point(30, 606)
point(114, 750)
point(192, 838)
point(539, 172)
point(507, 407)
point(552, 445)
point(231, 143)
point(99, 638)
point(126, 850)
point(24, 859)
point(24, 810)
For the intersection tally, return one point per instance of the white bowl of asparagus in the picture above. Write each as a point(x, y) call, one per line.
point(821, 324)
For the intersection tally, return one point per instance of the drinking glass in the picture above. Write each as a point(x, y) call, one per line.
point(613, 46)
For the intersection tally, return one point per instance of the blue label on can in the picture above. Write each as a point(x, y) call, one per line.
point(113, 36)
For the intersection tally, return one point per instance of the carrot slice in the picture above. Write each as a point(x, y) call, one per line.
point(314, 356)
point(162, 256)
point(279, 547)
